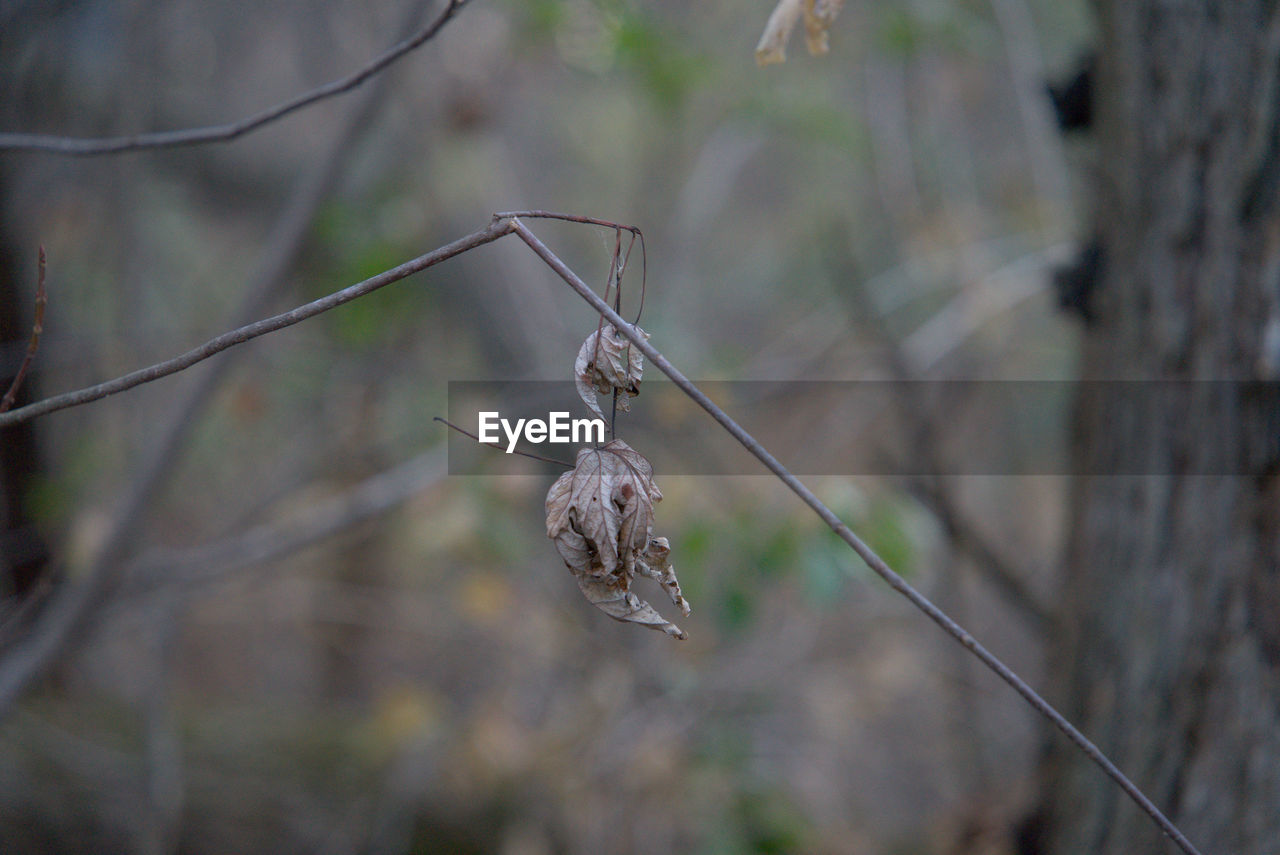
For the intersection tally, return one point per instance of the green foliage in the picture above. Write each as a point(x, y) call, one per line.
point(885, 531)
point(735, 561)
point(758, 820)
point(769, 823)
point(610, 36)
point(907, 31)
point(804, 114)
point(826, 566)
point(760, 557)
point(754, 816)
point(349, 252)
point(52, 497)
point(667, 68)
point(540, 18)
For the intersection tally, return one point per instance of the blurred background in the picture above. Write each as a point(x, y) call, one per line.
point(315, 639)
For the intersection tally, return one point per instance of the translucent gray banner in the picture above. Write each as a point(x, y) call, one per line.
point(886, 427)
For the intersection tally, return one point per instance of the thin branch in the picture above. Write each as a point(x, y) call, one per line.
point(528, 454)
point(593, 221)
point(213, 346)
point(37, 327)
point(568, 218)
point(221, 133)
point(161, 569)
point(866, 553)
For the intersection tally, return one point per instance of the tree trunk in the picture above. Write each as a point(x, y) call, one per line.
point(1168, 654)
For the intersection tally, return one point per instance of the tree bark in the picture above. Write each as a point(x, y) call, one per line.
point(1168, 652)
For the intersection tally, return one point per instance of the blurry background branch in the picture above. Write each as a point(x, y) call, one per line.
point(231, 130)
point(72, 604)
point(181, 572)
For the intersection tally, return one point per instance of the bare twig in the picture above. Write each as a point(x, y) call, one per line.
point(37, 327)
point(222, 133)
point(593, 221)
point(24, 663)
point(866, 553)
point(216, 345)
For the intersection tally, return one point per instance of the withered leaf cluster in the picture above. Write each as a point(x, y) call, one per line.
point(600, 516)
point(607, 362)
point(818, 17)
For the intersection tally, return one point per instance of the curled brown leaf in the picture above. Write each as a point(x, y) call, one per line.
point(606, 363)
point(600, 517)
point(818, 17)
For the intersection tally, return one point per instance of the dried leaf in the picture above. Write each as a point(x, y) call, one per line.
point(607, 361)
point(600, 517)
point(773, 41)
point(818, 17)
point(656, 564)
point(621, 604)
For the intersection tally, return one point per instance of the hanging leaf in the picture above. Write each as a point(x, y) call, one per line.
point(600, 516)
point(818, 17)
point(607, 362)
point(656, 564)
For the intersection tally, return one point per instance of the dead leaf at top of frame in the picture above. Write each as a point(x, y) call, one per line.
point(600, 516)
point(818, 17)
point(607, 362)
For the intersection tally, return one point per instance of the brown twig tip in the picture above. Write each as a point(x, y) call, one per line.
point(527, 454)
point(37, 327)
point(619, 267)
